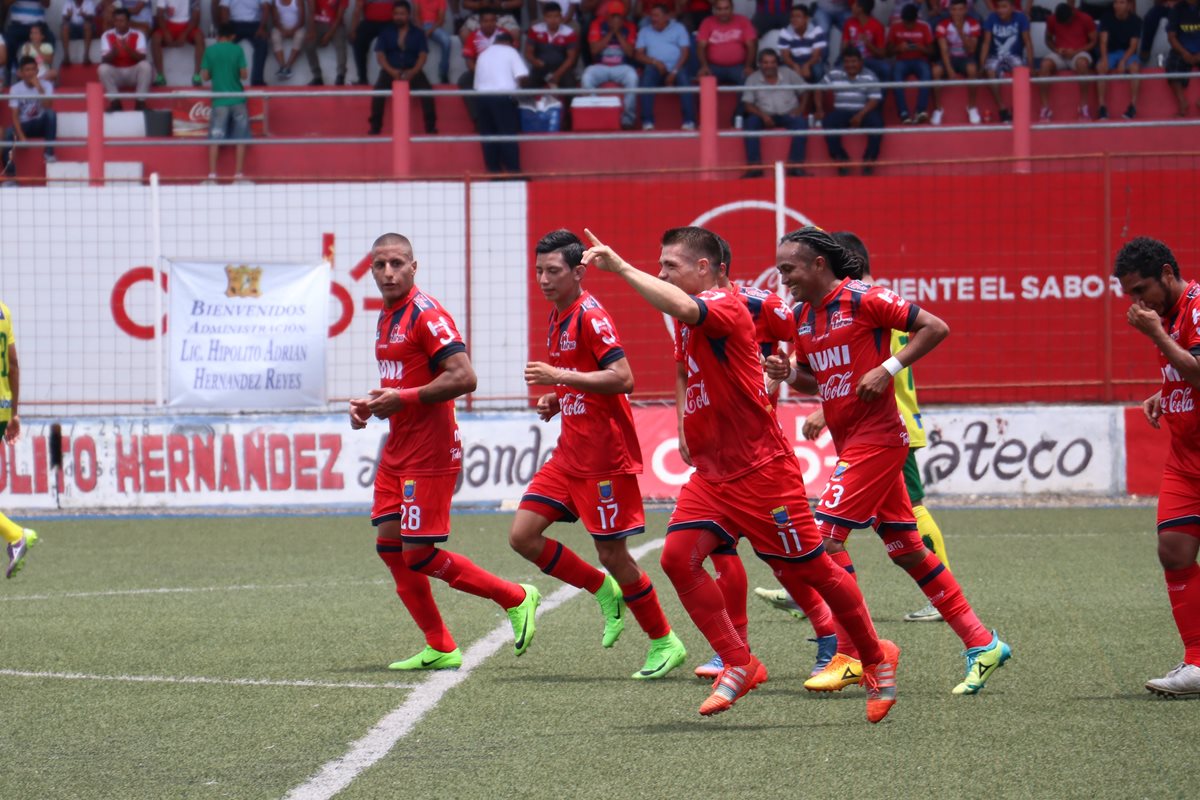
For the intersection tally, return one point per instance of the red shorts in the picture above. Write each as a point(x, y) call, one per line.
point(421, 504)
point(1179, 502)
point(768, 506)
point(610, 507)
point(867, 490)
point(176, 29)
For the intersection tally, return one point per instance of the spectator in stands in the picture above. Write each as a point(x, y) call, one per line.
point(23, 15)
point(41, 51)
point(32, 116)
point(854, 107)
point(1183, 33)
point(78, 22)
point(141, 15)
point(910, 42)
point(663, 47)
point(287, 28)
point(225, 65)
point(957, 57)
point(401, 50)
point(612, 41)
point(178, 25)
point(771, 15)
point(866, 33)
point(368, 21)
point(1070, 36)
point(802, 48)
point(830, 14)
point(507, 12)
point(1161, 10)
point(726, 44)
point(327, 28)
point(123, 60)
point(552, 50)
point(1006, 41)
point(767, 109)
point(570, 11)
point(694, 12)
point(476, 43)
point(249, 24)
point(431, 16)
point(500, 69)
point(1120, 34)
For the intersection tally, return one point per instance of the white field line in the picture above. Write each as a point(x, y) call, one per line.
point(80, 676)
point(340, 772)
point(245, 587)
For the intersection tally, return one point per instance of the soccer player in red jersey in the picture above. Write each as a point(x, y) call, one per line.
point(1167, 310)
point(843, 354)
point(592, 475)
point(747, 480)
point(423, 366)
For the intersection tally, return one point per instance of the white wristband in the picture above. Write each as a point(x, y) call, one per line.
point(893, 365)
point(793, 375)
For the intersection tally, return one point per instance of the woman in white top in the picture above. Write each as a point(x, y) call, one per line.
point(288, 24)
point(40, 51)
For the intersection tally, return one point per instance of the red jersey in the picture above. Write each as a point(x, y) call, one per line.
point(847, 337)
point(773, 321)
point(956, 39)
point(412, 338)
point(920, 35)
point(598, 435)
point(478, 42)
point(1182, 324)
point(728, 420)
point(859, 34)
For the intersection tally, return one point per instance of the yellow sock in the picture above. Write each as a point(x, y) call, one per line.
point(931, 534)
point(10, 531)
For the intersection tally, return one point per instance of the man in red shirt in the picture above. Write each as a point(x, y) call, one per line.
point(123, 63)
point(843, 355)
point(910, 41)
point(866, 33)
point(1071, 36)
point(592, 476)
point(747, 481)
point(1166, 309)
point(423, 366)
point(726, 45)
point(327, 29)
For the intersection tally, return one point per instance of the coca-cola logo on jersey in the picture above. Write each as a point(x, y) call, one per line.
point(696, 398)
point(1179, 401)
point(835, 387)
point(572, 404)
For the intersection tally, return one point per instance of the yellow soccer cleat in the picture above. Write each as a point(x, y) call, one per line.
point(842, 671)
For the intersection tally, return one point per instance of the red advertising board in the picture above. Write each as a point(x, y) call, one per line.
point(1145, 453)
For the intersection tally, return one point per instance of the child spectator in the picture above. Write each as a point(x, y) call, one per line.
point(1183, 32)
point(856, 105)
point(178, 25)
point(225, 65)
point(431, 16)
point(802, 48)
point(1120, 35)
point(328, 28)
point(41, 51)
point(957, 57)
point(866, 33)
point(32, 116)
point(910, 42)
point(552, 50)
point(287, 18)
point(1006, 41)
point(1070, 35)
point(78, 22)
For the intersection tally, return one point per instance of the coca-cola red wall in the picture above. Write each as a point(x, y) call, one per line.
point(1018, 265)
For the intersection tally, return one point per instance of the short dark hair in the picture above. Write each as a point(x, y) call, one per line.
point(843, 262)
point(726, 253)
point(390, 239)
point(553, 7)
point(1063, 12)
point(867, 6)
point(26, 60)
point(495, 12)
point(850, 241)
point(565, 243)
point(909, 13)
point(700, 242)
point(120, 10)
point(766, 51)
point(503, 37)
point(226, 30)
point(851, 51)
point(958, 2)
point(802, 7)
point(407, 6)
point(1145, 257)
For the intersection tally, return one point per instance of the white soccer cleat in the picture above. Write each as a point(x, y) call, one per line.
point(1183, 681)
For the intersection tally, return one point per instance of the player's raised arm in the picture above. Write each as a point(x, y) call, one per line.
point(659, 293)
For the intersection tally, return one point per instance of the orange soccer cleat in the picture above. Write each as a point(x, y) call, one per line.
point(880, 682)
point(732, 684)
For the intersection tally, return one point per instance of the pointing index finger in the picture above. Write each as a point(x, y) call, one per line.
point(595, 242)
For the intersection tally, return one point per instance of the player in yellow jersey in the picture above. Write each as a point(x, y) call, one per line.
point(906, 400)
point(19, 539)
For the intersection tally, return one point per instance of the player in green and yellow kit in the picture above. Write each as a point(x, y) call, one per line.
point(19, 539)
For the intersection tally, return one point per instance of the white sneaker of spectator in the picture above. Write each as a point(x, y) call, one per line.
point(973, 115)
point(1046, 114)
point(936, 119)
point(647, 126)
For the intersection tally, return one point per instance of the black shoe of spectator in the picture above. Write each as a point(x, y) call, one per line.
point(752, 173)
point(868, 170)
point(1005, 115)
point(115, 105)
point(1102, 112)
point(797, 172)
point(843, 172)
point(317, 81)
point(363, 82)
point(374, 130)
point(139, 105)
point(1130, 112)
point(340, 80)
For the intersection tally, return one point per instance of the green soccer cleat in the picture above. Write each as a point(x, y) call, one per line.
point(612, 604)
point(666, 653)
point(780, 599)
point(430, 659)
point(522, 618)
point(18, 551)
point(981, 663)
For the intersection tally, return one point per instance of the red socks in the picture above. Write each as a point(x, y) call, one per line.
point(817, 611)
point(642, 600)
point(462, 574)
point(731, 578)
point(845, 643)
point(942, 589)
point(559, 561)
point(683, 561)
point(413, 588)
point(1183, 589)
point(840, 591)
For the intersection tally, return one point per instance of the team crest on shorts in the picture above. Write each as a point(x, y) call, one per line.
point(606, 491)
point(410, 491)
point(781, 516)
point(842, 466)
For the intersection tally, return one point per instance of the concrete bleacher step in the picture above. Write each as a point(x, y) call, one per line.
point(78, 171)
